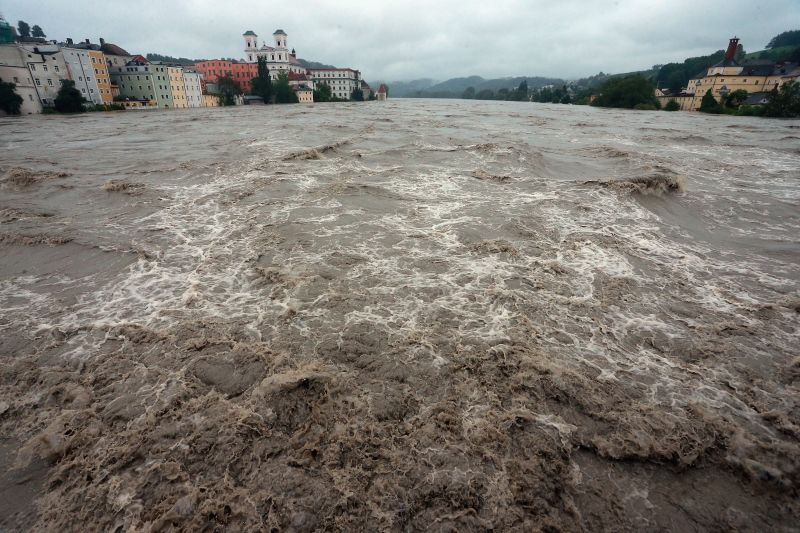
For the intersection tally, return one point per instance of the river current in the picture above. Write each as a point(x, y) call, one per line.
point(402, 315)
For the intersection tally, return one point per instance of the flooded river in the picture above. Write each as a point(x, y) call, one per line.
point(416, 314)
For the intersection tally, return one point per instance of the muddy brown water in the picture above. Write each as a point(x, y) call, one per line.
point(439, 315)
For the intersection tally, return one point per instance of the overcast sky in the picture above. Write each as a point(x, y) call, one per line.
point(407, 39)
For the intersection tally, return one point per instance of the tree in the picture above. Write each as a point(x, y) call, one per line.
point(322, 93)
point(283, 91)
point(37, 31)
point(672, 105)
point(10, 101)
point(787, 38)
point(357, 95)
point(784, 103)
point(469, 93)
point(521, 94)
point(228, 90)
point(736, 98)
point(485, 94)
point(69, 99)
point(709, 104)
point(626, 92)
point(261, 85)
point(23, 29)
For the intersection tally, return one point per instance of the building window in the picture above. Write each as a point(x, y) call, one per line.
point(56, 68)
point(49, 82)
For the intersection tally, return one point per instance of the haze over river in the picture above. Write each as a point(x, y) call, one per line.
point(417, 314)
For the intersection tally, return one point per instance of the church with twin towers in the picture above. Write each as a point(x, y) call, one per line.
point(280, 59)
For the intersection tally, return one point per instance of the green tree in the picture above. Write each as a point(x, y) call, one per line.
point(566, 99)
point(469, 93)
point(784, 103)
point(23, 29)
point(37, 31)
point(521, 94)
point(787, 38)
point(261, 85)
point(709, 104)
point(626, 92)
point(10, 101)
point(672, 105)
point(357, 95)
point(736, 98)
point(228, 90)
point(322, 93)
point(69, 99)
point(485, 94)
point(283, 91)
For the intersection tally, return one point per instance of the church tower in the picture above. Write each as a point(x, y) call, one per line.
point(250, 45)
point(280, 39)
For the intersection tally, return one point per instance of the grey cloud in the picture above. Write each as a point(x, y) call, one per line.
point(395, 40)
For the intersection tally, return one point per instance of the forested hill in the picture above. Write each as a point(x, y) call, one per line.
point(456, 87)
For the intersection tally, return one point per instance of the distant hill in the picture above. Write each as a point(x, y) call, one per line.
point(313, 64)
point(170, 59)
point(455, 87)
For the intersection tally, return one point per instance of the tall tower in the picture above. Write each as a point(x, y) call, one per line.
point(250, 45)
point(280, 39)
point(733, 45)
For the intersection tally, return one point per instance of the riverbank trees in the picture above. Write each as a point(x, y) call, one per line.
point(10, 101)
point(627, 92)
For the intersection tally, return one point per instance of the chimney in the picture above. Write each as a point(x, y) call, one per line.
point(69, 40)
point(102, 41)
point(732, 46)
point(87, 41)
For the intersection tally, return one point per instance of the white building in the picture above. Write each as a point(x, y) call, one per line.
point(46, 65)
point(342, 81)
point(82, 71)
point(279, 58)
point(194, 89)
point(14, 69)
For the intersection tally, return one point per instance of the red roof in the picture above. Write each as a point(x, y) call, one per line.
point(382, 89)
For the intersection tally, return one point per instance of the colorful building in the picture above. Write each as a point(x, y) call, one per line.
point(101, 75)
point(88, 69)
point(177, 87)
point(241, 73)
point(192, 82)
point(381, 94)
point(305, 94)
point(210, 100)
point(142, 81)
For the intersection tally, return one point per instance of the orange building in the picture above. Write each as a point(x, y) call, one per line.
point(101, 75)
point(241, 73)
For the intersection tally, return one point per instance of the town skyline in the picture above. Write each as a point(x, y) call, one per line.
point(396, 43)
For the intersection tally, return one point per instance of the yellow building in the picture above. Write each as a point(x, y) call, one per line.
point(101, 75)
point(729, 75)
point(210, 100)
point(179, 100)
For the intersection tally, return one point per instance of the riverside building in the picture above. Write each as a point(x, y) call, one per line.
point(758, 78)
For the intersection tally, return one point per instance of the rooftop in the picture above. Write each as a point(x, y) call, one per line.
point(250, 32)
point(279, 32)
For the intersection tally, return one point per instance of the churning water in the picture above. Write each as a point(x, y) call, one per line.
point(446, 315)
